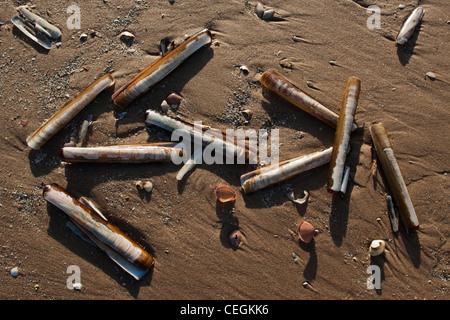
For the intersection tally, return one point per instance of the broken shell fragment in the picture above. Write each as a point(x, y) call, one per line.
point(410, 25)
point(377, 247)
point(68, 111)
point(235, 237)
point(306, 231)
point(300, 201)
point(160, 68)
point(247, 114)
point(126, 37)
point(224, 193)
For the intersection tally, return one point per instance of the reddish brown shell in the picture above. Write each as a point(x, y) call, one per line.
point(224, 193)
point(306, 231)
point(174, 98)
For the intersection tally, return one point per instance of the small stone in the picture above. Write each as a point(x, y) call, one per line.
point(244, 70)
point(77, 286)
point(36, 287)
point(126, 37)
point(164, 106)
point(401, 6)
point(268, 14)
point(296, 261)
point(83, 37)
point(147, 186)
point(431, 75)
point(15, 272)
point(305, 284)
point(174, 99)
point(259, 10)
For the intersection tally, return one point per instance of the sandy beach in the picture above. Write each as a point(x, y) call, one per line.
point(318, 46)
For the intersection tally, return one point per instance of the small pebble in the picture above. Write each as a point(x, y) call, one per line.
point(15, 272)
point(268, 14)
point(147, 186)
point(77, 286)
point(164, 106)
point(401, 6)
point(83, 37)
point(259, 10)
point(431, 75)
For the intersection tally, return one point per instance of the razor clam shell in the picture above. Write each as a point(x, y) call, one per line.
point(393, 176)
point(168, 123)
point(410, 25)
point(68, 111)
point(267, 176)
point(139, 153)
point(99, 230)
point(288, 91)
point(159, 69)
point(343, 133)
point(53, 31)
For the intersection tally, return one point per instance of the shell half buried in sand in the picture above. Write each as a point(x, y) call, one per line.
point(68, 112)
point(159, 69)
point(119, 247)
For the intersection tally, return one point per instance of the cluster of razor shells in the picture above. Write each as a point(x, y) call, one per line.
point(131, 256)
point(120, 248)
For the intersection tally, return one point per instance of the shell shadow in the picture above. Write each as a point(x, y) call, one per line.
point(341, 203)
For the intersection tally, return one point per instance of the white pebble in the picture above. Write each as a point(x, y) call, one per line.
point(431, 75)
point(15, 272)
point(77, 286)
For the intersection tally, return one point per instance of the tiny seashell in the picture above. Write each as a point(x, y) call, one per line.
point(244, 70)
point(174, 99)
point(147, 186)
point(15, 272)
point(126, 36)
point(235, 238)
point(306, 231)
point(259, 10)
point(247, 114)
point(83, 37)
point(77, 286)
point(268, 14)
point(303, 200)
point(224, 193)
point(164, 106)
point(431, 75)
point(377, 247)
